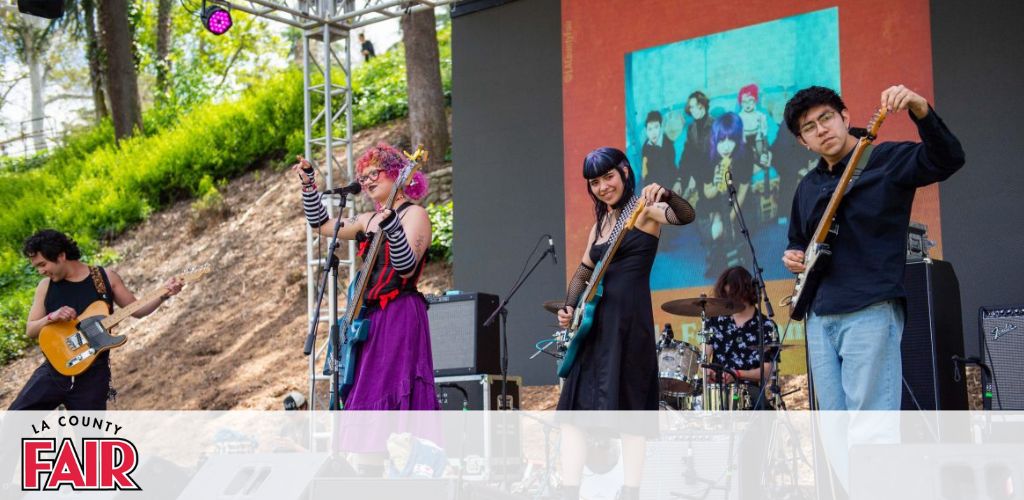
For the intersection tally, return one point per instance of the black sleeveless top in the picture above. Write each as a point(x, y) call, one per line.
point(75, 294)
point(385, 283)
point(78, 295)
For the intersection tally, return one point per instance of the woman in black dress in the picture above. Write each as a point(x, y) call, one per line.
point(616, 367)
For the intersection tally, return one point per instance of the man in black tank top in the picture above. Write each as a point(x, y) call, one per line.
point(66, 290)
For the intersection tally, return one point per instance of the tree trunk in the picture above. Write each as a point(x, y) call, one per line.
point(428, 123)
point(37, 81)
point(163, 47)
point(121, 79)
point(93, 55)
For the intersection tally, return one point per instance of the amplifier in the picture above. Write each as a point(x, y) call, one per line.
point(1001, 330)
point(460, 344)
point(932, 335)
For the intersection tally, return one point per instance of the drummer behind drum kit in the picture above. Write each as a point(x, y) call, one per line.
point(680, 363)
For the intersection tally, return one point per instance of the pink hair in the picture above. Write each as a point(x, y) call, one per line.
point(749, 89)
point(391, 161)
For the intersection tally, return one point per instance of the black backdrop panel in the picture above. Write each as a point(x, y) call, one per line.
point(976, 49)
point(507, 136)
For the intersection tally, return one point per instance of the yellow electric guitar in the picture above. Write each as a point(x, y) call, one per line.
point(72, 346)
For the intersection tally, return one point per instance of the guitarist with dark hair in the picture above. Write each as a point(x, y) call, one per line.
point(856, 313)
point(67, 290)
point(611, 363)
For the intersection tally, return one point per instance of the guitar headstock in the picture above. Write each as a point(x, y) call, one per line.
point(637, 210)
point(194, 273)
point(876, 122)
point(416, 159)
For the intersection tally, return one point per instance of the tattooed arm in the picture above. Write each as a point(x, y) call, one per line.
point(408, 237)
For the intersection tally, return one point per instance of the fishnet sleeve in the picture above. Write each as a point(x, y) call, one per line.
point(578, 284)
point(679, 212)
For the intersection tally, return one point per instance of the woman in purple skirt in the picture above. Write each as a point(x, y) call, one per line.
point(394, 370)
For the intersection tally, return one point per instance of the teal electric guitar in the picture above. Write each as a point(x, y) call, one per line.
point(354, 325)
point(583, 315)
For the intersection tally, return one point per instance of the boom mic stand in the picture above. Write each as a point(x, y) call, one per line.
point(762, 296)
point(503, 311)
point(334, 335)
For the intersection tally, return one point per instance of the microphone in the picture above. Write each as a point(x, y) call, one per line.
point(354, 188)
point(551, 248)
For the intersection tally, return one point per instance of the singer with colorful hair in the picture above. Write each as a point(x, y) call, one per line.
point(394, 370)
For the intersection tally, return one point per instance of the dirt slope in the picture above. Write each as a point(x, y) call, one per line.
point(233, 340)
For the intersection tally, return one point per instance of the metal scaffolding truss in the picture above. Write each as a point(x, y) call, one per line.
point(326, 27)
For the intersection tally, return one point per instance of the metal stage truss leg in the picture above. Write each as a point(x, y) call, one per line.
point(326, 27)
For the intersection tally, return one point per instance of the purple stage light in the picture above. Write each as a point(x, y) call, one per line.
point(216, 19)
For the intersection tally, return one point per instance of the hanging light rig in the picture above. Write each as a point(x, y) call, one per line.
point(216, 19)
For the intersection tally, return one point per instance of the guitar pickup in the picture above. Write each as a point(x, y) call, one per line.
point(76, 341)
point(81, 357)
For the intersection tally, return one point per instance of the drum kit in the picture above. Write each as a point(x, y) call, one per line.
point(682, 367)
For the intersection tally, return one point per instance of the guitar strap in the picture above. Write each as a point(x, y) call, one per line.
point(857, 170)
point(102, 284)
point(859, 167)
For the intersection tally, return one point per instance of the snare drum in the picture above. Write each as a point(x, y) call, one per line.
point(678, 369)
point(728, 397)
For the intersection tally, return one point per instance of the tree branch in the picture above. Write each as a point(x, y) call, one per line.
point(61, 97)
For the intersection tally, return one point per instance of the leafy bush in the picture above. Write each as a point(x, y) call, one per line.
point(441, 240)
point(93, 188)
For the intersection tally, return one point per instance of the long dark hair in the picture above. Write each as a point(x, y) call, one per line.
point(597, 163)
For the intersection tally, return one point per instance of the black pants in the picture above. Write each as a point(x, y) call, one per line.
point(47, 389)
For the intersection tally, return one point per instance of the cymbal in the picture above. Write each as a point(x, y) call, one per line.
point(692, 307)
point(552, 306)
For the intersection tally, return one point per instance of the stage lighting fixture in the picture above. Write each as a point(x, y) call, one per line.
point(216, 19)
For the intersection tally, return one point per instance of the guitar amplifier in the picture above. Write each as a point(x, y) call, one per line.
point(460, 344)
point(1001, 330)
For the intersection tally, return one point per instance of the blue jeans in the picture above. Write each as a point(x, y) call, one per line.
point(855, 358)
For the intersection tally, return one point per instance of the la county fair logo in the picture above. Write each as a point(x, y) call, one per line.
point(104, 463)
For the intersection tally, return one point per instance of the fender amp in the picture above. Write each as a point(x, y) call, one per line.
point(1002, 345)
point(460, 344)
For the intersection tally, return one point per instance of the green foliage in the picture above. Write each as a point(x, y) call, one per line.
point(93, 188)
point(441, 223)
point(379, 89)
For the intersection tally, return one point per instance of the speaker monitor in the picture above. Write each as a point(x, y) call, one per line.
point(1001, 330)
point(932, 335)
point(460, 344)
point(50, 9)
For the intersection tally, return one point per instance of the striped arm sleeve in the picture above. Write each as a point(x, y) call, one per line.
point(316, 214)
point(402, 257)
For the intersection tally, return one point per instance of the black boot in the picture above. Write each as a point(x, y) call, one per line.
point(629, 493)
point(569, 492)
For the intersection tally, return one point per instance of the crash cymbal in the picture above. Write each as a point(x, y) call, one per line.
point(692, 307)
point(552, 306)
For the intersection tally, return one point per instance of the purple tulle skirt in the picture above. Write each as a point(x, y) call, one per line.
point(394, 371)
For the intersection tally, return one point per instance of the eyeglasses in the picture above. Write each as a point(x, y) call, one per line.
point(370, 176)
point(822, 120)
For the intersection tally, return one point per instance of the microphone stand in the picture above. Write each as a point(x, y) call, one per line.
point(334, 335)
point(503, 311)
point(762, 295)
